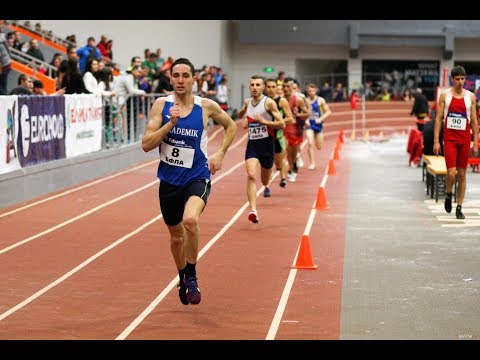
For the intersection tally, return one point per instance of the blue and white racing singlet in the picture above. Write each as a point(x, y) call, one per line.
point(183, 151)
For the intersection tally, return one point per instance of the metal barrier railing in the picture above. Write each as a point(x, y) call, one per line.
point(32, 62)
point(125, 118)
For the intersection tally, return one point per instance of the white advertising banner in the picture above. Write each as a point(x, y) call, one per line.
point(8, 117)
point(83, 114)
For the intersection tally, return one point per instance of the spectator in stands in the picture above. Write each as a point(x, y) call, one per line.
point(49, 35)
point(105, 87)
point(420, 108)
point(203, 84)
point(56, 62)
point(222, 93)
point(211, 88)
point(164, 86)
point(325, 91)
point(38, 28)
point(218, 75)
point(89, 77)
point(104, 46)
point(167, 64)
point(150, 62)
point(213, 72)
point(339, 94)
point(196, 76)
point(205, 70)
point(17, 43)
point(110, 46)
point(38, 89)
point(136, 61)
point(368, 90)
point(11, 40)
point(407, 95)
point(126, 86)
point(144, 81)
point(89, 51)
point(34, 51)
point(5, 63)
point(72, 39)
point(72, 81)
point(101, 65)
point(385, 95)
point(146, 54)
point(106, 81)
point(24, 86)
point(71, 53)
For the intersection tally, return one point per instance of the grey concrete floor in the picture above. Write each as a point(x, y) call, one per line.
point(411, 270)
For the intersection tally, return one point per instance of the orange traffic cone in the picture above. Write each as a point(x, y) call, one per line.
point(321, 203)
point(338, 144)
point(304, 258)
point(335, 154)
point(340, 135)
point(331, 167)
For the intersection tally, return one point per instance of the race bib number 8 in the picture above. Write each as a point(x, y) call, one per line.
point(456, 122)
point(177, 156)
point(257, 132)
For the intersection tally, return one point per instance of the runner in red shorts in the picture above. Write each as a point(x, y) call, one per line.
point(294, 132)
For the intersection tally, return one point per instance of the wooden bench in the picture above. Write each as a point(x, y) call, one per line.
point(436, 171)
point(428, 160)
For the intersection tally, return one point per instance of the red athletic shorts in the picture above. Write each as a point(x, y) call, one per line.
point(456, 154)
point(293, 134)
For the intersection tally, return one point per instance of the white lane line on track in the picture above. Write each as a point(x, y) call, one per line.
point(89, 212)
point(103, 251)
point(128, 330)
point(214, 134)
point(77, 189)
point(277, 318)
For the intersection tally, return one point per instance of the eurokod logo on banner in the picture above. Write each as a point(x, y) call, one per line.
point(41, 129)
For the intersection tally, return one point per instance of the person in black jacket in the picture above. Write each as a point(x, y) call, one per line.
point(420, 108)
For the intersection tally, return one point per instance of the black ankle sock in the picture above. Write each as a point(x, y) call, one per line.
point(459, 207)
point(181, 273)
point(190, 269)
point(449, 195)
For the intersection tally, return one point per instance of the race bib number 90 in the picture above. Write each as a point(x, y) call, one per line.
point(177, 156)
point(456, 122)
